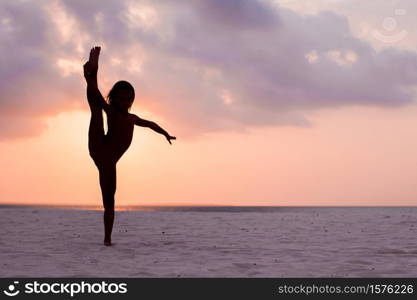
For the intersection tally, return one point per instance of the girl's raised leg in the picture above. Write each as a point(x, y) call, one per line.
point(96, 128)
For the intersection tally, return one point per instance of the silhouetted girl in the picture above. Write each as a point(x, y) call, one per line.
point(106, 149)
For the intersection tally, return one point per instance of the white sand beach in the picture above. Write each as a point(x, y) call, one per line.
point(309, 242)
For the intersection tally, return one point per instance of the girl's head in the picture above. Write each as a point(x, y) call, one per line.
point(121, 96)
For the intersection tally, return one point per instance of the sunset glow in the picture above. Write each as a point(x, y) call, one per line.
point(325, 122)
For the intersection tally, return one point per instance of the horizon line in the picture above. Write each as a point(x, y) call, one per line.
point(128, 207)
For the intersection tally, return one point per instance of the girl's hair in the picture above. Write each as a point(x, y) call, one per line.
point(120, 85)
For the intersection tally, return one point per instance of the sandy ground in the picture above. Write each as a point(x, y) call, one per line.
point(321, 242)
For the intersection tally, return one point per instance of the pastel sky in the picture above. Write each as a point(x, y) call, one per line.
point(273, 102)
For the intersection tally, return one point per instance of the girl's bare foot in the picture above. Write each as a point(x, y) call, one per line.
point(93, 59)
point(107, 243)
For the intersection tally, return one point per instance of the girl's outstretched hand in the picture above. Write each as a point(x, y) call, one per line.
point(169, 138)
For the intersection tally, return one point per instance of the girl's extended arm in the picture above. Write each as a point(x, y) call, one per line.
point(155, 127)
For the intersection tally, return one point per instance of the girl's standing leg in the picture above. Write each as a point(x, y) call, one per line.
point(107, 174)
point(107, 169)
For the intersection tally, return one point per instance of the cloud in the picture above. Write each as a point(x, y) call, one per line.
point(31, 83)
point(201, 65)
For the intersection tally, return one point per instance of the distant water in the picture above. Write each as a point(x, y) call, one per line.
point(229, 209)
